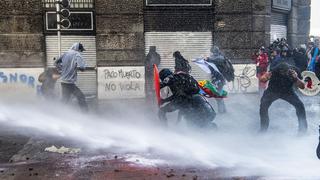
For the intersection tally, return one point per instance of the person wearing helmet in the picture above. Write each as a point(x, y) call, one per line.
point(68, 65)
point(184, 89)
point(275, 57)
point(182, 86)
point(282, 79)
point(300, 58)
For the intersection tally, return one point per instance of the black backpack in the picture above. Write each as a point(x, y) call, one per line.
point(186, 84)
point(225, 67)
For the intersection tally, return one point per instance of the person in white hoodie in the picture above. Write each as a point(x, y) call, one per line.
point(69, 64)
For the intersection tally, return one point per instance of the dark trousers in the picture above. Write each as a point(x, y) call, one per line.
point(269, 97)
point(173, 105)
point(72, 89)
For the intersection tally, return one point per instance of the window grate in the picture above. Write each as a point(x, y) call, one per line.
point(76, 4)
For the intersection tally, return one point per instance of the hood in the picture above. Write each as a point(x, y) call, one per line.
point(216, 53)
point(215, 50)
point(77, 47)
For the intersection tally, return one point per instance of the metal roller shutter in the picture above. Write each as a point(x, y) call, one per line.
point(87, 80)
point(278, 31)
point(190, 44)
point(279, 18)
point(89, 43)
point(173, 20)
point(279, 25)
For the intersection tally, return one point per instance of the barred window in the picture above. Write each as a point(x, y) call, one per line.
point(77, 4)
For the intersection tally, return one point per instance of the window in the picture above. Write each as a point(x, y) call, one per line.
point(73, 3)
point(178, 2)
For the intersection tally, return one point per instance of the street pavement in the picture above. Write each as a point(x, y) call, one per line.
point(22, 154)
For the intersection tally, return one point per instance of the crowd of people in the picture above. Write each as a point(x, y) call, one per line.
point(185, 89)
point(305, 57)
point(279, 70)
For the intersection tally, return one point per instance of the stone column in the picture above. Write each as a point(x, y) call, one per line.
point(299, 22)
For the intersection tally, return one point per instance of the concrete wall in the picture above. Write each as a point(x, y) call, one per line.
point(21, 36)
point(120, 39)
point(234, 29)
point(240, 27)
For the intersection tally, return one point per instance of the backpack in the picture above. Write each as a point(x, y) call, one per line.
point(186, 84)
point(225, 67)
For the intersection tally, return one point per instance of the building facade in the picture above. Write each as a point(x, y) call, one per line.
point(118, 34)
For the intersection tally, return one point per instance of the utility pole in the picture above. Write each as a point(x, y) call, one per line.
point(62, 19)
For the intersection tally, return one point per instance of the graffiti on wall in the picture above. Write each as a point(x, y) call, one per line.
point(121, 82)
point(20, 80)
point(245, 80)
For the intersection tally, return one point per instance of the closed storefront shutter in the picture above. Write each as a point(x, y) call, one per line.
point(279, 26)
point(87, 80)
point(172, 20)
point(191, 45)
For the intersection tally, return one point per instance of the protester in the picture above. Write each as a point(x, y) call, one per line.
point(181, 64)
point(225, 73)
point(262, 67)
point(69, 64)
point(152, 58)
point(48, 79)
point(318, 147)
point(185, 98)
point(300, 58)
point(313, 54)
point(282, 79)
point(275, 57)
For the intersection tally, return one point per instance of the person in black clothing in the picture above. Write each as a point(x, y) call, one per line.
point(300, 58)
point(282, 79)
point(226, 73)
point(181, 64)
point(318, 147)
point(152, 58)
point(184, 89)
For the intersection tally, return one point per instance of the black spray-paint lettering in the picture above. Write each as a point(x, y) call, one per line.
point(131, 86)
point(110, 87)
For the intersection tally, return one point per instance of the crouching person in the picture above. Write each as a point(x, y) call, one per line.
point(185, 98)
point(282, 79)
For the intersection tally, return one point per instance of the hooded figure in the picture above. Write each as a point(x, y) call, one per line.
point(185, 98)
point(225, 73)
point(152, 58)
point(68, 65)
point(223, 64)
point(181, 64)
